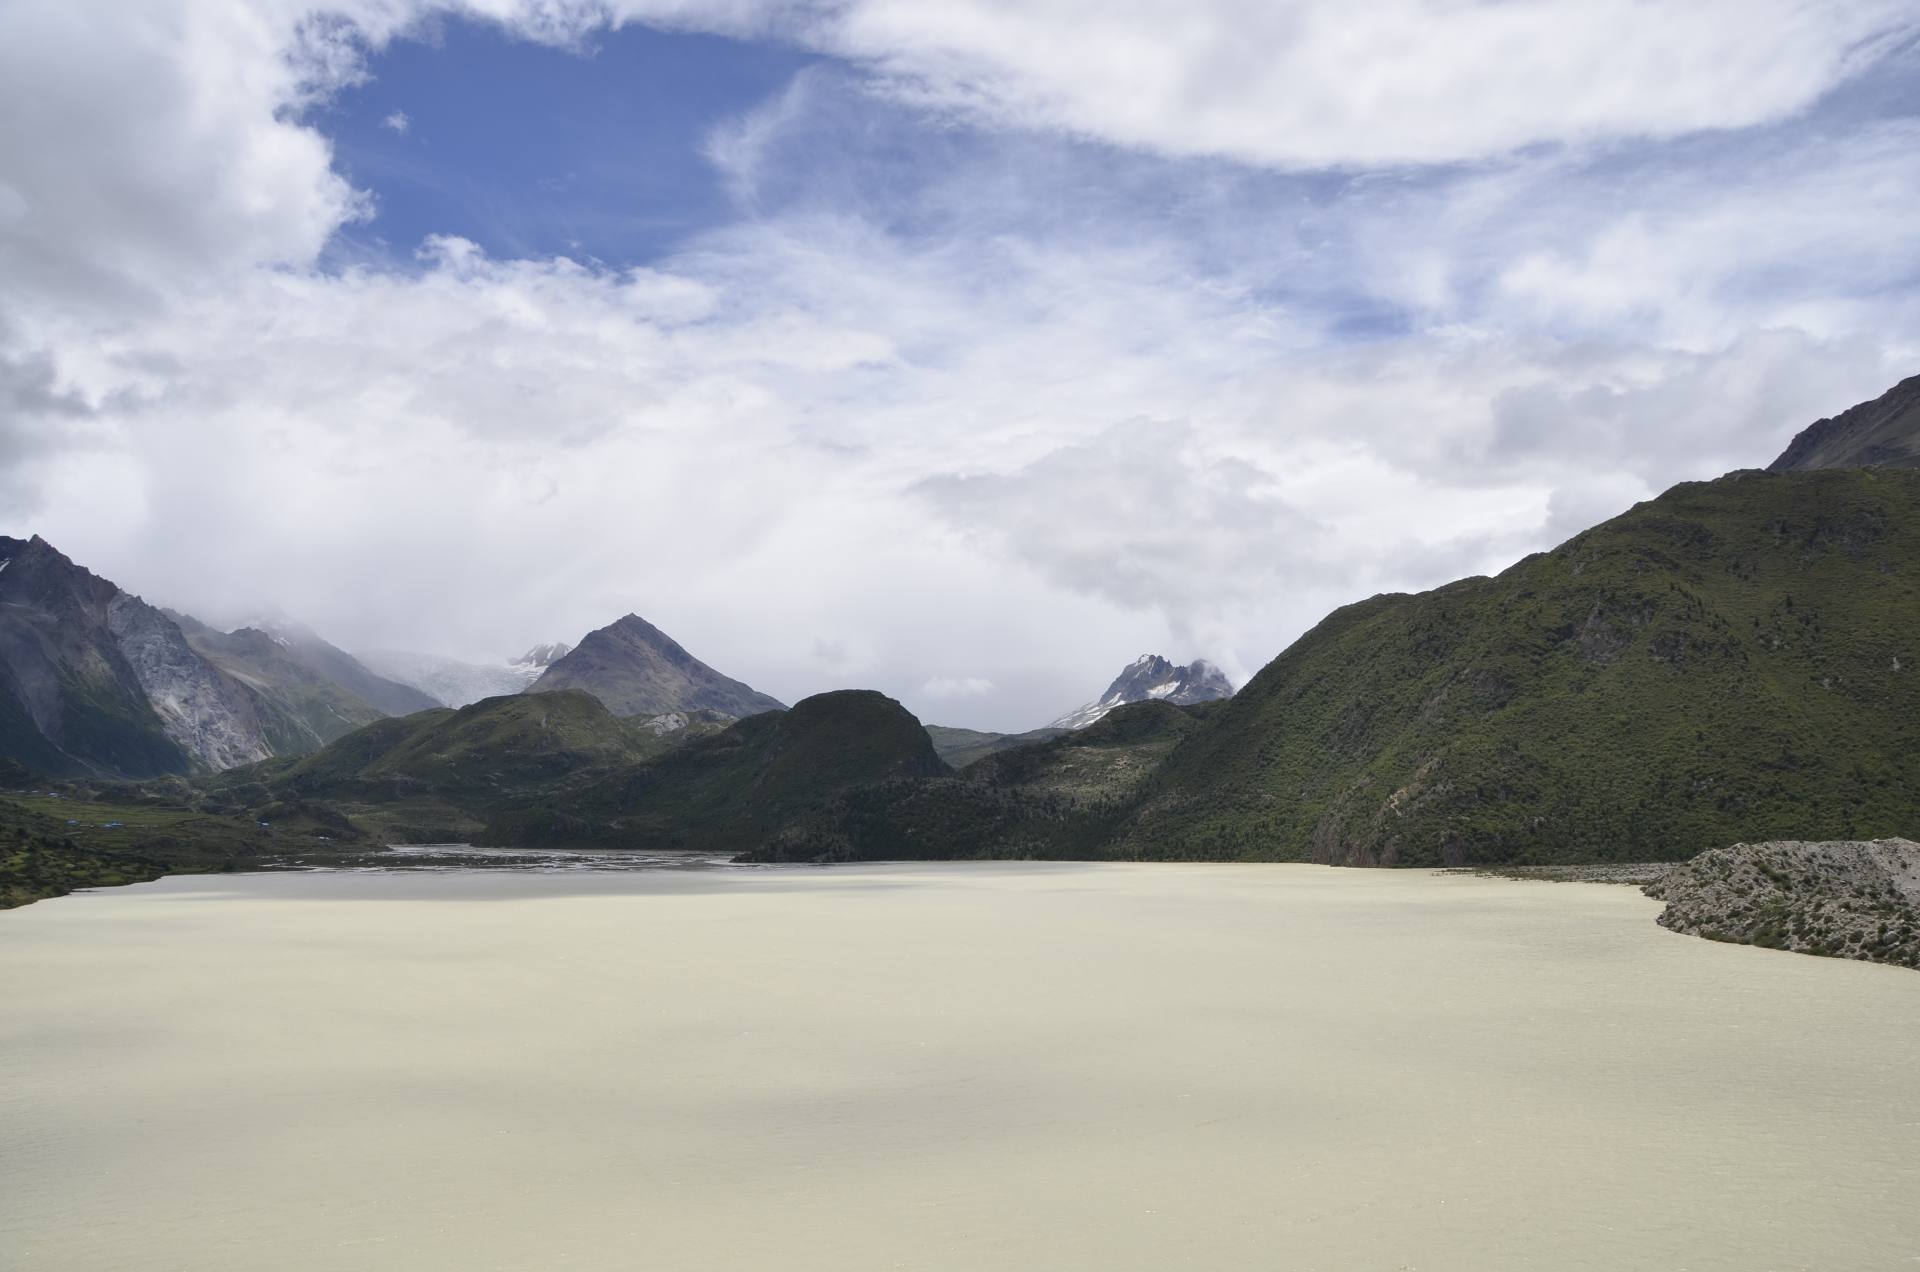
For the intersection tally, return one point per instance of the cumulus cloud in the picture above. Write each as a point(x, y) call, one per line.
point(397, 122)
point(148, 149)
point(1141, 515)
point(954, 388)
point(1314, 83)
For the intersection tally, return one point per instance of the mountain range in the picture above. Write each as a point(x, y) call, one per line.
point(95, 681)
point(559, 766)
point(1732, 660)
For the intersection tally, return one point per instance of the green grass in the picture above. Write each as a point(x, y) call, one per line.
point(50, 845)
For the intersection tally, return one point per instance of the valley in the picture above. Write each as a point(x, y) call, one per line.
point(1732, 661)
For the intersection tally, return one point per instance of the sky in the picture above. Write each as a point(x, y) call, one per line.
point(961, 350)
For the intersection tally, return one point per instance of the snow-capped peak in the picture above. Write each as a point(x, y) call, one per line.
point(544, 656)
point(458, 683)
point(1152, 677)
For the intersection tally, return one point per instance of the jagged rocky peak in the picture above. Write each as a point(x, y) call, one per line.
point(95, 680)
point(541, 657)
point(1883, 433)
point(1150, 677)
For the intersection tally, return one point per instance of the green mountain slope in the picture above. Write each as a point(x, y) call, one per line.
point(1737, 659)
point(441, 774)
point(729, 791)
point(1060, 798)
point(558, 769)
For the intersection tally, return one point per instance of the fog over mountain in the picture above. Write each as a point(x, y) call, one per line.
point(862, 346)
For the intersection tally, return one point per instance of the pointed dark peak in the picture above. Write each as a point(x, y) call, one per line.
point(44, 574)
point(637, 669)
point(1883, 433)
point(35, 548)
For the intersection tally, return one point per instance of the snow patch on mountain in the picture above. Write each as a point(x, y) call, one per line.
point(1151, 677)
point(540, 657)
point(457, 683)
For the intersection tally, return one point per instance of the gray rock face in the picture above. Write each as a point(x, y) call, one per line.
point(1148, 678)
point(635, 669)
point(206, 713)
point(1882, 433)
point(93, 680)
point(1846, 898)
point(71, 701)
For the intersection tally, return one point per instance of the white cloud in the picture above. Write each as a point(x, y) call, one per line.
point(948, 687)
point(1090, 404)
point(147, 150)
point(1312, 83)
point(1142, 515)
point(397, 122)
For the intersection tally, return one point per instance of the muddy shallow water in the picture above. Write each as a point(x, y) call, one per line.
point(1017, 1066)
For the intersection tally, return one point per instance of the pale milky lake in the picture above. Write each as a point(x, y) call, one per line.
point(939, 1067)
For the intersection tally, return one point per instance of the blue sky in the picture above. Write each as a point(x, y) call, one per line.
point(964, 351)
point(531, 150)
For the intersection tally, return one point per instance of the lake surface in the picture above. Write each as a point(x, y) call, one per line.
point(1012, 1066)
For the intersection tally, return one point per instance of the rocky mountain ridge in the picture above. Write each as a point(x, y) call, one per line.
point(96, 681)
point(1152, 678)
point(1882, 433)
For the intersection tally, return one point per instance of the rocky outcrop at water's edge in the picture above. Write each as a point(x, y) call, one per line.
point(1845, 899)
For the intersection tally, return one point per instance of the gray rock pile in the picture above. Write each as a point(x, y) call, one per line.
point(1844, 899)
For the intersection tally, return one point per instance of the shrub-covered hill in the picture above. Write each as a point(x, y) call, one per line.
point(559, 769)
point(443, 774)
point(1734, 660)
point(727, 792)
point(1059, 798)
